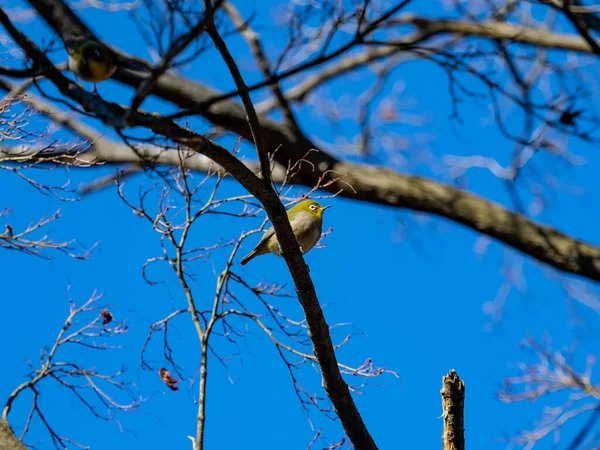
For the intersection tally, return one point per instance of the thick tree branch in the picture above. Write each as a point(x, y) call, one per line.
point(428, 28)
point(580, 24)
point(580, 11)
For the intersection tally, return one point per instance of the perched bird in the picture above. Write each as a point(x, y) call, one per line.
point(306, 219)
point(91, 60)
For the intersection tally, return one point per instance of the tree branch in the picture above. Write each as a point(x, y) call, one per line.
point(428, 28)
point(453, 405)
point(240, 84)
point(581, 26)
point(8, 440)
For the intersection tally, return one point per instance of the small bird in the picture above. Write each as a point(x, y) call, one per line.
point(306, 219)
point(569, 115)
point(91, 60)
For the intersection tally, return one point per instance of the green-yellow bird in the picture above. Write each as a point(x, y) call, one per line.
point(306, 219)
point(91, 60)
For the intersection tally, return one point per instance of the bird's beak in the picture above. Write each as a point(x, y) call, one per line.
point(325, 207)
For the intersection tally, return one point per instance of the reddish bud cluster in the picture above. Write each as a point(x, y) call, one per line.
point(107, 317)
point(168, 379)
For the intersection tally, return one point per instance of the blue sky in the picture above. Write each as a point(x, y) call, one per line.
point(418, 300)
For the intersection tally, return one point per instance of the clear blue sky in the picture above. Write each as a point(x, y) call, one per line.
point(419, 300)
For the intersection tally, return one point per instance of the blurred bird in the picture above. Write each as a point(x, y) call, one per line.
point(91, 60)
point(569, 115)
point(306, 219)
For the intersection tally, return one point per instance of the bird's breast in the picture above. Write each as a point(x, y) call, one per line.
point(94, 71)
point(308, 234)
point(307, 230)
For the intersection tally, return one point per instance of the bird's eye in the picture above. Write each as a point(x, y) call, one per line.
point(312, 207)
point(97, 55)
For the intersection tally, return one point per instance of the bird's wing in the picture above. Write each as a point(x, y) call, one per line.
point(297, 223)
point(268, 233)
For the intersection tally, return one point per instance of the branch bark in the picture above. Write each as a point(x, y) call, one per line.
point(8, 440)
point(581, 26)
point(453, 405)
point(429, 28)
point(251, 116)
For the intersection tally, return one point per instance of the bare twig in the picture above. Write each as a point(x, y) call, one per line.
point(91, 387)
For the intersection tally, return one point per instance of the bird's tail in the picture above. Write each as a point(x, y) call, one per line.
point(249, 257)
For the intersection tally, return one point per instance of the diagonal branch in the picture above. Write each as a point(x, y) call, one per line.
point(240, 84)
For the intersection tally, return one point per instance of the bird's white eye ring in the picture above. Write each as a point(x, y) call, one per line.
point(313, 207)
